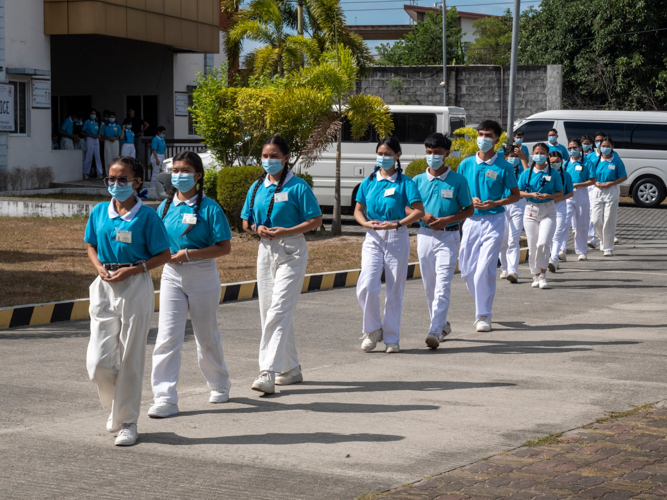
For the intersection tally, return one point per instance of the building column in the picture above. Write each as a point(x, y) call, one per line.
point(4, 136)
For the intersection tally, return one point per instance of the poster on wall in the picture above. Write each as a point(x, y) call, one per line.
point(6, 108)
point(41, 94)
point(181, 102)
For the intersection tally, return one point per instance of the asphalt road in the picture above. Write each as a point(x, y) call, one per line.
point(557, 359)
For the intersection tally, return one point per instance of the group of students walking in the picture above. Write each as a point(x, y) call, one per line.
point(189, 231)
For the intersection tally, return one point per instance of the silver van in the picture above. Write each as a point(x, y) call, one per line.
point(640, 139)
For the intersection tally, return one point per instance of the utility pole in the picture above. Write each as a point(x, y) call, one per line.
point(513, 63)
point(443, 83)
point(299, 10)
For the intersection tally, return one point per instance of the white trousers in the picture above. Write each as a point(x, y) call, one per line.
point(604, 213)
point(66, 143)
point(591, 226)
point(111, 152)
point(156, 167)
point(562, 232)
point(120, 318)
point(539, 221)
point(388, 251)
point(510, 250)
point(281, 267)
point(192, 287)
point(438, 252)
point(478, 259)
point(579, 213)
point(128, 149)
point(92, 149)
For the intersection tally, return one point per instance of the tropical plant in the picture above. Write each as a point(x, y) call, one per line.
point(493, 40)
point(465, 144)
point(416, 167)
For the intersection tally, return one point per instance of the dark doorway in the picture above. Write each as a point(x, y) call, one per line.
point(63, 106)
point(145, 106)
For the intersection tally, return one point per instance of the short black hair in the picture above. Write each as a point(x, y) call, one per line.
point(518, 133)
point(111, 113)
point(600, 134)
point(555, 152)
point(552, 130)
point(438, 140)
point(491, 126)
point(160, 129)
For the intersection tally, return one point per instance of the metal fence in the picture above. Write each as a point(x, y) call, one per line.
point(174, 146)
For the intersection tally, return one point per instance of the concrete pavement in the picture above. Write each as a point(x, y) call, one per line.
point(557, 359)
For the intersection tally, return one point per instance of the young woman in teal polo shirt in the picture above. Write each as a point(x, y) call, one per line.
point(198, 234)
point(279, 208)
point(125, 241)
point(579, 207)
point(559, 243)
point(383, 196)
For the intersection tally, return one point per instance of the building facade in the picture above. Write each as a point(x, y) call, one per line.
point(64, 57)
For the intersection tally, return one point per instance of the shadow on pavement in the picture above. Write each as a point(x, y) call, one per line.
point(263, 439)
point(522, 325)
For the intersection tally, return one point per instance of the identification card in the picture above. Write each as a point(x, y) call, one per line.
point(547, 178)
point(124, 236)
point(189, 219)
point(578, 168)
point(447, 193)
point(389, 192)
point(491, 174)
point(612, 166)
point(280, 197)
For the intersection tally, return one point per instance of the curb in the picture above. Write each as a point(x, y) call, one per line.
point(72, 310)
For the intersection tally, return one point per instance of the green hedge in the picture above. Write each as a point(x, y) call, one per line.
point(211, 183)
point(416, 167)
point(233, 184)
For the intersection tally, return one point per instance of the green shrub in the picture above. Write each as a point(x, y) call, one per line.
point(233, 185)
point(307, 177)
point(211, 183)
point(416, 167)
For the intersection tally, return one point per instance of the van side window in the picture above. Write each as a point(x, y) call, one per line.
point(619, 132)
point(649, 136)
point(456, 123)
point(369, 136)
point(536, 131)
point(414, 128)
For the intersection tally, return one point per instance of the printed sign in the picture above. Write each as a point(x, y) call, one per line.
point(41, 94)
point(7, 108)
point(181, 103)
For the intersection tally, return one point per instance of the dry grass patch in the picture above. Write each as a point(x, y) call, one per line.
point(44, 260)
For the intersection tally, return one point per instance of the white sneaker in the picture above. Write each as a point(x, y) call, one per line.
point(293, 376)
point(582, 257)
point(536, 282)
point(553, 265)
point(483, 324)
point(608, 253)
point(562, 255)
point(127, 436)
point(542, 281)
point(615, 240)
point(447, 329)
point(163, 409)
point(512, 277)
point(220, 395)
point(112, 429)
point(392, 348)
point(503, 275)
point(370, 340)
point(433, 340)
point(264, 383)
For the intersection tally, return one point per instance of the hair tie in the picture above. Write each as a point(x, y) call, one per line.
point(143, 194)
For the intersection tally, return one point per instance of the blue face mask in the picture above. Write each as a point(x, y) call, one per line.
point(519, 140)
point(121, 193)
point(513, 160)
point(93, 117)
point(587, 147)
point(539, 159)
point(183, 182)
point(112, 120)
point(435, 161)
point(484, 143)
point(597, 144)
point(272, 165)
point(605, 151)
point(556, 165)
point(574, 152)
point(385, 162)
point(162, 136)
point(552, 139)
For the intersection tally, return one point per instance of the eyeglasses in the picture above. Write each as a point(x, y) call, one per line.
point(118, 181)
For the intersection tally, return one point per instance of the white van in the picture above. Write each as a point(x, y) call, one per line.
point(412, 124)
point(640, 139)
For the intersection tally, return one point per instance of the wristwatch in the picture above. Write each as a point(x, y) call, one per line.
point(398, 224)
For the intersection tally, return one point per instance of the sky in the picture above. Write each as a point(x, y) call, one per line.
point(391, 12)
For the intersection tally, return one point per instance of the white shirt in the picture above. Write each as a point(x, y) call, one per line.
point(490, 161)
point(267, 181)
point(393, 178)
point(128, 216)
point(191, 202)
point(442, 176)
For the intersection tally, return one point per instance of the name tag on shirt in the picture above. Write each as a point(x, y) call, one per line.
point(189, 219)
point(280, 197)
point(547, 178)
point(492, 174)
point(447, 193)
point(612, 166)
point(578, 168)
point(389, 192)
point(124, 236)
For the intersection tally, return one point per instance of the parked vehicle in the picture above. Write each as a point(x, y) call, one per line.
point(640, 139)
point(412, 124)
point(163, 179)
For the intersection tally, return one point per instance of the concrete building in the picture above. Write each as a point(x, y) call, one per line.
point(64, 56)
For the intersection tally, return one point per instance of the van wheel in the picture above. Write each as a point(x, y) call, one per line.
point(648, 192)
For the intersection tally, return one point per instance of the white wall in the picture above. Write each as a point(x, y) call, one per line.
point(26, 46)
point(468, 29)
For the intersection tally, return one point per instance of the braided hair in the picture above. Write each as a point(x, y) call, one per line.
point(393, 144)
point(136, 167)
point(282, 145)
point(193, 160)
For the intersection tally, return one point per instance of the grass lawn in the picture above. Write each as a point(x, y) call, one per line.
point(44, 260)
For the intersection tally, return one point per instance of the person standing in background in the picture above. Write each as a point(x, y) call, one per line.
point(158, 149)
point(127, 147)
point(139, 127)
point(67, 135)
point(554, 146)
point(111, 133)
point(91, 131)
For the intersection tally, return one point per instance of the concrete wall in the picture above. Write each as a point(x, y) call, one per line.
point(481, 90)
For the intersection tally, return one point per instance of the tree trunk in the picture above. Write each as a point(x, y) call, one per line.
point(336, 224)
